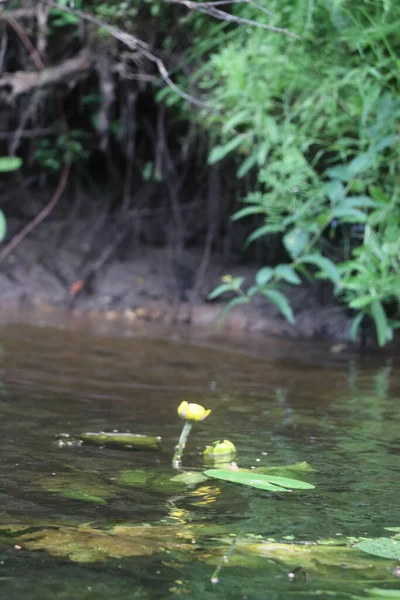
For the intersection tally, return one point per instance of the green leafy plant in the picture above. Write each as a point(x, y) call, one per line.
point(8, 164)
point(316, 121)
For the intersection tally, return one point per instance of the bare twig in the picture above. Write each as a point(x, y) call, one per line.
point(34, 54)
point(208, 8)
point(136, 45)
point(3, 45)
point(17, 239)
point(42, 17)
point(26, 115)
point(18, 13)
point(28, 133)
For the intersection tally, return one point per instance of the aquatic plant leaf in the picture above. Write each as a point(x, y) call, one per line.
point(316, 558)
point(380, 593)
point(159, 481)
point(384, 547)
point(123, 440)
point(78, 496)
point(303, 467)
point(259, 481)
point(85, 544)
point(88, 487)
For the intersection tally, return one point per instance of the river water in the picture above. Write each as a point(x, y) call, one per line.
point(279, 402)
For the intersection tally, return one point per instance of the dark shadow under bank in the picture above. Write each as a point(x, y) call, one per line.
point(51, 275)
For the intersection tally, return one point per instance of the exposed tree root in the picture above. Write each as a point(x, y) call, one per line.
point(65, 73)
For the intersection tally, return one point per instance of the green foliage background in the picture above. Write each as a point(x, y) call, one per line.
point(315, 121)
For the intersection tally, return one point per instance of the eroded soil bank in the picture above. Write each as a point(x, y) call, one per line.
point(84, 272)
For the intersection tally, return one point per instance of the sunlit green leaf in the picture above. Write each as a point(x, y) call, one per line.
point(361, 301)
point(340, 172)
point(355, 326)
point(326, 266)
point(262, 482)
point(260, 232)
point(295, 241)
point(219, 152)
point(281, 302)
point(379, 196)
point(3, 226)
point(264, 275)
point(9, 163)
point(381, 322)
point(360, 163)
point(247, 165)
point(347, 213)
point(287, 273)
point(248, 210)
point(221, 289)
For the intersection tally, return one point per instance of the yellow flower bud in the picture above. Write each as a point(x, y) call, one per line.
point(192, 412)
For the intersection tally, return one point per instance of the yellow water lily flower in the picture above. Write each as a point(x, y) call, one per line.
point(192, 412)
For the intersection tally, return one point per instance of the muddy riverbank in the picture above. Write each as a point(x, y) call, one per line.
point(86, 273)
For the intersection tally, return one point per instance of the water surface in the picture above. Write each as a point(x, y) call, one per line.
point(279, 402)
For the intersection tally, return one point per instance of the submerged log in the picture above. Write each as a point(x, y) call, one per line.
point(134, 441)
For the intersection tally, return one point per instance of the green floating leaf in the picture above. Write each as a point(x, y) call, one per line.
point(159, 482)
point(384, 547)
point(283, 470)
point(124, 440)
point(263, 482)
point(9, 163)
point(77, 496)
point(80, 485)
point(381, 594)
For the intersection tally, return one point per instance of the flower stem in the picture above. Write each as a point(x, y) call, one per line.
point(176, 461)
